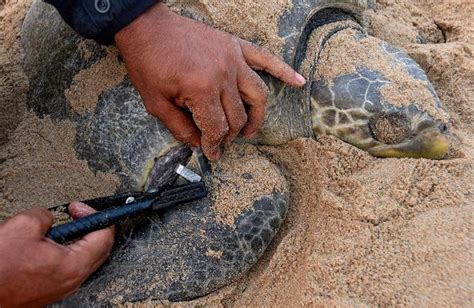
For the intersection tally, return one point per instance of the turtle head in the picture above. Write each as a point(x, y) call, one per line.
point(398, 135)
point(352, 108)
point(395, 134)
point(376, 97)
point(377, 126)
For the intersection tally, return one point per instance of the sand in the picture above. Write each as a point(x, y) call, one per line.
point(13, 82)
point(241, 176)
point(360, 230)
point(39, 168)
point(85, 90)
point(260, 17)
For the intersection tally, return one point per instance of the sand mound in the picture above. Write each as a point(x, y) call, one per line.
point(360, 230)
point(365, 231)
point(13, 82)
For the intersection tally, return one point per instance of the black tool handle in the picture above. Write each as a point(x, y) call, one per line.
point(146, 202)
point(82, 226)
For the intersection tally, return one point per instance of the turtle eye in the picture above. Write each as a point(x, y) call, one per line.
point(390, 128)
point(443, 127)
point(425, 124)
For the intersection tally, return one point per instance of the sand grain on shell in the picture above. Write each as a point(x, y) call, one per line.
point(214, 254)
point(239, 178)
point(88, 84)
point(316, 40)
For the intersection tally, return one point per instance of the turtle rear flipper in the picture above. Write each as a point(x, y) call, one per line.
point(196, 248)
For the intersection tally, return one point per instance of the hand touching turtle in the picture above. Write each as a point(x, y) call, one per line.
point(198, 80)
point(34, 270)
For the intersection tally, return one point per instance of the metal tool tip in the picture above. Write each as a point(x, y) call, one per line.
point(187, 173)
point(203, 162)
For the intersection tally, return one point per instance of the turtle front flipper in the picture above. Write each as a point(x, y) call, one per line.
point(372, 95)
point(196, 248)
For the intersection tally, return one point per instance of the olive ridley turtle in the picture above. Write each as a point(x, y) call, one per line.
point(360, 89)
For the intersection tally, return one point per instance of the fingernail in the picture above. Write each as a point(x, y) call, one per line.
point(213, 154)
point(78, 210)
point(250, 135)
point(301, 80)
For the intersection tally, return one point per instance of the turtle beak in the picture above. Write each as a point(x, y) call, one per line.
point(430, 143)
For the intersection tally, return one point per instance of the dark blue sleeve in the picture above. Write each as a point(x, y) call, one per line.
point(100, 19)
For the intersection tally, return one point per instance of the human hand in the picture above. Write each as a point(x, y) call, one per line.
point(35, 270)
point(197, 80)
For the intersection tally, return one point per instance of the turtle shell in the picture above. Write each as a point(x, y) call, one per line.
point(179, 254)
point(281, 25)
point(115, 134)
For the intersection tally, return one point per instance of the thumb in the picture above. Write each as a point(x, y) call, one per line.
point(94, 248)
point(79, 210)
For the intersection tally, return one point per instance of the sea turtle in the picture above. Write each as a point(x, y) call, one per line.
point(360, 89)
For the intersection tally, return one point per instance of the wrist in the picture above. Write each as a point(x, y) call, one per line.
point(149, 20)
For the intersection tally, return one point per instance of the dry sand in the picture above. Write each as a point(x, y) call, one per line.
point(85, 90)
point(259, 25)
point(360, 230)
point(13, 82)
point(241, 176)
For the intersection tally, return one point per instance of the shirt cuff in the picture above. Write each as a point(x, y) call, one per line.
point(100, 19)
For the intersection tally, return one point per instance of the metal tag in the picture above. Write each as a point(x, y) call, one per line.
point(188, 174)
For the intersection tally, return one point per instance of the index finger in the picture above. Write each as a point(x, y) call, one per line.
point(261, 59)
